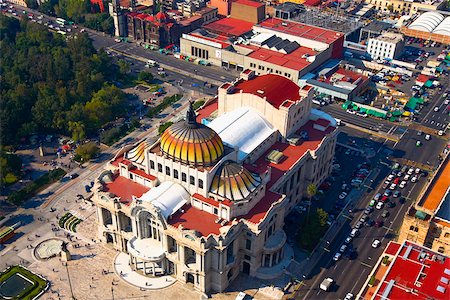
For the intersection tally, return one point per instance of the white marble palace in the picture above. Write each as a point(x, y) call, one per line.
point(207, 199)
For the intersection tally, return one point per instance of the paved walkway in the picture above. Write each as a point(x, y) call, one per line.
point(124, 271)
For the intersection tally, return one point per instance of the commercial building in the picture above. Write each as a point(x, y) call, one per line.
point(428, 222)
point(388, 45)
point(405, 6)
point(432, 25)
point(413, 272)
point(274, 46)
point(206, 202)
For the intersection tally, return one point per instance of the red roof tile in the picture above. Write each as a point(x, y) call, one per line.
point(120, 159)
point(257, 213)
point(392, 248)
point(229, 27)
point(302, 30)
point(291, 153)
point(276, 88)
point(207, 110)
point(143, 174)
point(415, 273)
point(422, 78)
point(125, 188)
point(195, 219)
point(211, 201)
point(291, 60)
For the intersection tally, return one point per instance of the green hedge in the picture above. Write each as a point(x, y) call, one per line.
point(39, 284)
point(30, 190)
point(153, 111)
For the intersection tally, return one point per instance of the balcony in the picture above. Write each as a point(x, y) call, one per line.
point(146, 249)
point(275, 242)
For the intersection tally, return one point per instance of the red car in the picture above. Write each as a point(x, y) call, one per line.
point(384, 198)
point(397, 180)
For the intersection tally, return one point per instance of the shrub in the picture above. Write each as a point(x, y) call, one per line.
point(20, 196)
point(372, 280)
point(198, 104)
point(163, 127)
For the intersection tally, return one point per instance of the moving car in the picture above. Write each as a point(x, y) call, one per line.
point(349, 296)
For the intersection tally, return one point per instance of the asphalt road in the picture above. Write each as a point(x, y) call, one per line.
point(350, 275)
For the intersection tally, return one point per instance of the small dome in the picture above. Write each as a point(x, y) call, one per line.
point(234, 182)
point(192, 143)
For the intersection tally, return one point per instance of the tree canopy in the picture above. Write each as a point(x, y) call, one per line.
point(52, 85)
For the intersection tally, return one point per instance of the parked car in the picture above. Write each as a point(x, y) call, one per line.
point(348, 240)
point(396, 194)
point(385, 213)
point(343, 248)
point(380, 205)
point(372, 202)
point(342, 195)
point(402, 184)
point(377, 197)
point(337, 256)
point(379, 223)
point(414, 178)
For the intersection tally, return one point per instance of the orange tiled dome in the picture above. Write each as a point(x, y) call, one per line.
point(192, 143)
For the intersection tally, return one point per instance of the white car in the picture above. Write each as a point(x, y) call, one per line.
point(406, 178)
point(380, 205)
point(414, 178)
point(417, 171)
point(337, 256)
point(342, 195)
point(410, 171)
point(393, 186)
point(390, 177)
point(436, 108)
point(349, 296)
point(376, 244)
point(402, 184)
point(428, 137)
point(348, 240)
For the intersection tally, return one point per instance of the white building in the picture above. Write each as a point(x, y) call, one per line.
point(388, 45)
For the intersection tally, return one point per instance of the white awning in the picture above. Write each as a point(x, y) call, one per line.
point(243, 128)
point(168, 196)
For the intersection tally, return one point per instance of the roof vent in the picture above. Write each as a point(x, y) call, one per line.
point(283, 24)
point(260, 92)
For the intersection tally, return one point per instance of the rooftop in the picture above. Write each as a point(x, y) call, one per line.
point(291, 153)
point(377, 26)
point(257, 213)
point(276, 89)
point(195, 219)
point(390, 37)
point(302, 30)
point(294, 60)
point(229, 27)
point(206, 111)
point(249, 3)
point(416, 272)
point(439, 189)
point(125, 189)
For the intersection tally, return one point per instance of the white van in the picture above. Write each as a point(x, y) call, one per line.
point(151, 63)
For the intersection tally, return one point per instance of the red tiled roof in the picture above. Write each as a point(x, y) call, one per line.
point(229, 27)
point(392, 248)
point(291, 60)
point(291, 153)
point(216, 40)
point(276, 88)
point(143, 174)
point(257, 213)
point(125, 188)
point(249, 3)
point(312, 2)
point(195, 219)
point(120, 159)
point(407, 272)
point(210, 200)
point(302, 30)
point(207, 110)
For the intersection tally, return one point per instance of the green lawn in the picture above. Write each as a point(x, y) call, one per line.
point(39, 284)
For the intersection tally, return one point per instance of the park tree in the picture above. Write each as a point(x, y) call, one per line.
point(87, 151)
point(78, 131)
point(145, 76)
point(124, 67)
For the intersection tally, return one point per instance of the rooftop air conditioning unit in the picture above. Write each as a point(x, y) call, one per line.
point(260, 92)
point(283, 24)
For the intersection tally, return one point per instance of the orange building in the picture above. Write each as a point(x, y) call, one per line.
point(223, 6)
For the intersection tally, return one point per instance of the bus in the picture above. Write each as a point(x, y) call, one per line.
point(61, 21)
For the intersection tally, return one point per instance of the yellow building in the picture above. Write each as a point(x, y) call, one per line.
point(428, 222)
